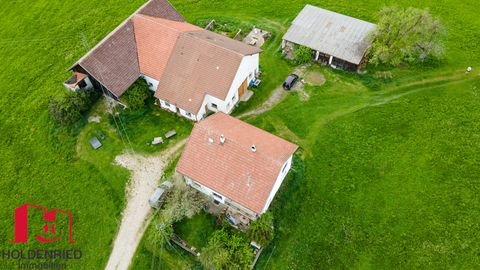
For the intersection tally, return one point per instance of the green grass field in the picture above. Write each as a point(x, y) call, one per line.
point(389, 177)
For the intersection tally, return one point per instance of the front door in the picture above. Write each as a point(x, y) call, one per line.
point(242, 88)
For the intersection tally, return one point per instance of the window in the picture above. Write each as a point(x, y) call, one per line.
point(214, 106)
point(217, 196)
point(233, 98)
point(195, 184)
point(167, 104)
point(188, 114)
point(82, 84)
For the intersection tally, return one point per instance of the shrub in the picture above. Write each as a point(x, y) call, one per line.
point(261, 230)
point(227, 26)
point(69, 108)
point(226, 251)
point(137, 95)
point(406, 36)
point(183, 202)
point(302, 54)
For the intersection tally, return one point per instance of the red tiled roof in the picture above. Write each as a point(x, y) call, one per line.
point(205, 62)
point(161, 9)
point(156, 39)
point(202, 62)
point(114, 61)
point(232, 169)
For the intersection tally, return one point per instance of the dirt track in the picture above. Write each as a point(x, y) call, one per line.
point(146, 173)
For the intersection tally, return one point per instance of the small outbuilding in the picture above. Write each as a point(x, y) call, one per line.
point(336, 39)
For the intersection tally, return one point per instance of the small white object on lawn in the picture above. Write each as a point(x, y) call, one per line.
point(157, 140)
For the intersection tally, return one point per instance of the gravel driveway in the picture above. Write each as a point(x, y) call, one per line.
point(146, 173)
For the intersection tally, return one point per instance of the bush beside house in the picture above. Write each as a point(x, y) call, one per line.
point(137, 95)
point(71, 107)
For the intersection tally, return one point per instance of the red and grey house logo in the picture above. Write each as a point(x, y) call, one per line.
point(49, 232)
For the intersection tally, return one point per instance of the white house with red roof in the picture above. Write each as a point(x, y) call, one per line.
point(236, 164)
point(192, 70)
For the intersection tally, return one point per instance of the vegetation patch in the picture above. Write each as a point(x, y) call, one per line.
point(302, 55)
point(72, 106)
point(138, 96)
point(406, 36)
point(226, 26)
point(226, 251)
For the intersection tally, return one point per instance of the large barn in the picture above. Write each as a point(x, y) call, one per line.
point(193, 71)
point(336, 39)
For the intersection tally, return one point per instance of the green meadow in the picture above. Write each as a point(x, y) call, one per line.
point(387, 176)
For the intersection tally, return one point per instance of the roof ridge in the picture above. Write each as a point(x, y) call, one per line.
point(115, 30)
point(183, 18)
point(248, 149)
point(152, 19)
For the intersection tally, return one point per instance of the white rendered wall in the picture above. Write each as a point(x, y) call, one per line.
point(152, 83)
point(278, 182)
point(169, 107)
point(209, 192)
point(247, 70)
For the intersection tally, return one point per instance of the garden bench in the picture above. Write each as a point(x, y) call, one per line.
point(170, 134)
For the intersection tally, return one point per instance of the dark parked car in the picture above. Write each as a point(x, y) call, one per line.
point(290, 81)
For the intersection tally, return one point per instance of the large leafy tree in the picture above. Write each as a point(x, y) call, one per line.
point(406, 36)
point(183, 202)
point(70, 107)
point(261, 230)
point(137, 95)
point(226, 251)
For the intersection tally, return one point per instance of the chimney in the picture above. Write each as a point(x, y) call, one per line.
point(254, 148)
point(222, 139)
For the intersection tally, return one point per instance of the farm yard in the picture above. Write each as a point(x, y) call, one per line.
point(387, 175)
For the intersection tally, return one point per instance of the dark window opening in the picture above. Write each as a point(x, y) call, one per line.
point(82, 84)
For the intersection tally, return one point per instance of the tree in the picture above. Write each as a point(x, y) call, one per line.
point(137, 95)
point(261, 230)
point(215, 255)
point(226, 251)
point(406, 36)
point(69, 108)
point(183, 202)
point(302, 54)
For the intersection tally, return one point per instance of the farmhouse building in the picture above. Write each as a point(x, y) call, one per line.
point(192, 71)
point(335, 39)
point(236, 164)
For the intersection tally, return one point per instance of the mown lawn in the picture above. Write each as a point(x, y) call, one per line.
point(53, 167)
point(197, 230)
point(385, 186)
point(390, 181)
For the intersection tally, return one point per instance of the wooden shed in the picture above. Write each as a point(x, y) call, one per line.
point(336, 39)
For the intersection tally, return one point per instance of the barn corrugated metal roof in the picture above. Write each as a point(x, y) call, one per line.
point(331, 33)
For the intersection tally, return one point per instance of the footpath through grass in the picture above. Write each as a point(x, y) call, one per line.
point(398, 179)
point(375, 153)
